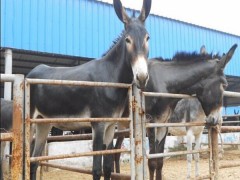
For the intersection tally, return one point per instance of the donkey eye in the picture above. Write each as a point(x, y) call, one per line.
point(147, 38)
point(127, 40)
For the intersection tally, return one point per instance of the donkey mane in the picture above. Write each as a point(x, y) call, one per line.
point(115, 41)
point(194, 56)
point(184, 56)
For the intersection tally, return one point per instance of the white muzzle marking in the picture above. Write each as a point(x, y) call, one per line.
point(140, 71)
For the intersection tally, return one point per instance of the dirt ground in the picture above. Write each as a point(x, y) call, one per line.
point(174, 169)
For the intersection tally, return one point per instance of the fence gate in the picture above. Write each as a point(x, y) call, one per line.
point(29, 121)
point(140, 138)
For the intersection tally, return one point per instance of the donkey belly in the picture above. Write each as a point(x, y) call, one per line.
point(72, 126)
point(68, 126)
point(177, 131)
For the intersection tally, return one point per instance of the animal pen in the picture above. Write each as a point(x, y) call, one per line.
point(20, 167)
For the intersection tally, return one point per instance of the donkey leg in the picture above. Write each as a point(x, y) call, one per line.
point(108, 159)
point(4, 163)
point(117, 156)
point(160, 142)
point(97, 130)
point(42, 131)
point(108, 163)
point(196, 156)
point(152, 163)
point(189, 156)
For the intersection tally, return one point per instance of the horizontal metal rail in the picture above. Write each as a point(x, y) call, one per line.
point(7, 77)
point(218, 143)
point(158, 155)
point(71, 120)
point(64, 156)
point(231, 94)
point(77, 83)
point(169, 95)
point(152, 125)
point(84, 136)
point(230, 129)
point(84, 171)
point(6, 137)
point(229, 165)
point(233, 115)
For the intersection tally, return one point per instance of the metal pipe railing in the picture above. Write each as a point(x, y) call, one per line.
point(71, 120)
point(83, 154)
point(28, 83)
point(84, 171)
point(158, 155)
point(17, 124)
point(77, 83)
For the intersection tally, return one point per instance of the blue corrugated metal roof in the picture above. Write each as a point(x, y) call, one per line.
point(88, 27)
point(71, 27)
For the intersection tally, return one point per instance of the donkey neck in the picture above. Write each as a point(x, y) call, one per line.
point(117, 60)
point(186, 77)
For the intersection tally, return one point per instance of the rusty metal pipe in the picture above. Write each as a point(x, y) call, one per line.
point(77, 83)
point(83, 136)
point(229, 165)
point(84, 171)
point(6, 137)
point(230, 129)
point(71, 120)
point(64, 156)
point(152, 125)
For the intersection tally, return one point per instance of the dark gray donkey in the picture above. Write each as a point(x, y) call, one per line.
point(188, 73)
point(125, 62)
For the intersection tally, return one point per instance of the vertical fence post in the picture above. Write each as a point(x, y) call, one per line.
point(211, 171)
point(8, 70)
point(27, 131)
point(131, 128)
point(144, 120)
point(17, 143)
point(215, 152)
point(138, 134)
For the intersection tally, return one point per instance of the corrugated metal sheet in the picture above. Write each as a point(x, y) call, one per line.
point(70, 27)
point(169, 36)
point(87, 28)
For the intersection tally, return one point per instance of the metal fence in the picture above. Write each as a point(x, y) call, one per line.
point(29, 121)
point(21, 156)
point(213, 132)
point(17, 128)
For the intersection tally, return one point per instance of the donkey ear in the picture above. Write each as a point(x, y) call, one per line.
point(203, 50)
point(226, 58)
point(145, 10)
point(120, 11)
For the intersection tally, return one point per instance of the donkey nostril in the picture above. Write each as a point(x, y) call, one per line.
point(142, 77)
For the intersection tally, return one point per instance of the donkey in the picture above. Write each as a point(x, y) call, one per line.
point(125, 62)
point(173, 80)
point(6, 126)
point(188, 73)
point(189, 110)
